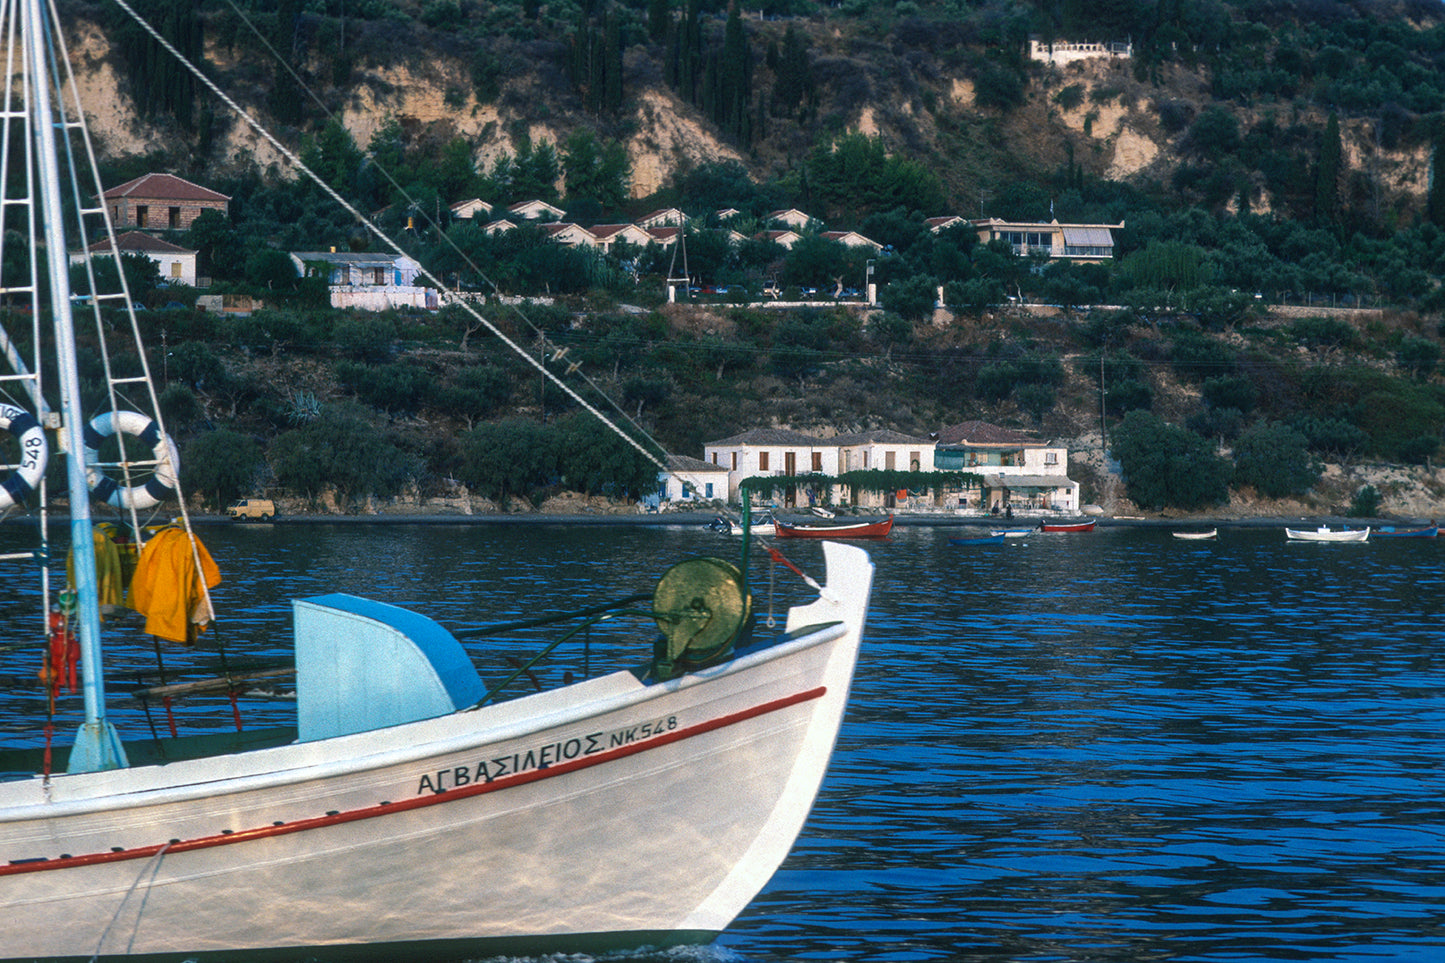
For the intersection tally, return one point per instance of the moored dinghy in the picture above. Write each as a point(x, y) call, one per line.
point(1326, 534)
point(995, 538)
point(1423, 531)
point(1197, 536)
point(414, 812)
point(875, 529)
point(1082, 525)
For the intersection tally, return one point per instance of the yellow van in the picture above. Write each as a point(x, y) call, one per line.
point(263, 508)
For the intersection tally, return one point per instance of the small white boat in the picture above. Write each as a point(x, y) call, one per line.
point(1197, 536)
point(1326, 534)
point(762, 525)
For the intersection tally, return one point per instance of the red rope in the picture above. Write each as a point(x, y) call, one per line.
point(235, 710)
point(170, 716)
point(778, 557)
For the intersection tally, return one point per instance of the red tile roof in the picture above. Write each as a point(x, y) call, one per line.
point(982, 433)
point(136, 241)
point(165, 186)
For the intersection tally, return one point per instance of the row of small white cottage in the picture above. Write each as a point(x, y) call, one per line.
point(1018, 471)
point(375, 281)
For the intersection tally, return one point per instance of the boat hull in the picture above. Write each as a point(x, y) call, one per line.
point(1427, 532)
point(997, 539)
point(1069, 526)
point(608, 813)
point(863, 530)
point(1196, 536)
point(1327, 535)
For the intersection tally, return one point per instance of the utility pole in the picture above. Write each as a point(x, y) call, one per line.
point(1103, 428)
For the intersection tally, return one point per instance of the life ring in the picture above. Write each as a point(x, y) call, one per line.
point(34, 454)
point(156, 489)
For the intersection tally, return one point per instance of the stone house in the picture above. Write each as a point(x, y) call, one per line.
point(161, 202)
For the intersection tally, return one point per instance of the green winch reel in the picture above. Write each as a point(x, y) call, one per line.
point(702, 608)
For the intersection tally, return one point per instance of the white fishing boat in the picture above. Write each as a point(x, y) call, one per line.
point(763, 525)
point(1326, 534)
point(412, 812)
point(1203, 536)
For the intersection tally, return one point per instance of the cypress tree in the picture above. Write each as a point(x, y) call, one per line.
point(659, 20)
point(1327, 174)
point(1435, 200)
point(612, 63)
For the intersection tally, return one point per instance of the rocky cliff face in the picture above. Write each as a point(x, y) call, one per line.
point(1093, 113)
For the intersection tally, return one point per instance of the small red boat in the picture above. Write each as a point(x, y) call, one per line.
point(854, 530)
point(1070, 526)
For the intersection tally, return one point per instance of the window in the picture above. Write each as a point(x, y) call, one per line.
point(735, 461)
point(888, 457)
point(378, 275)
point(914, 462)
point(714, 458)
point(708, 489)
point(817, 461)
point(865, 457)
point(142, 214)
point(175, 269)
point(1051, 458)
point(790, 463)
point(762, 461)
point(173, 218)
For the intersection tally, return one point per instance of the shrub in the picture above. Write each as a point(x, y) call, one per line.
point(1235, 391)
point(1275, 459)
point(222, 465)
point(1418, 356)
point(1166, 466)
point(1366, 503)
point(912, 299)
point(1070, 97)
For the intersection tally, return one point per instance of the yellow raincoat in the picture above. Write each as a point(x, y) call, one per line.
point(110, 567)
point(167, 589)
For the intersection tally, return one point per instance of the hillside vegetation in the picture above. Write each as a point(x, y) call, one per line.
point(1259, 154)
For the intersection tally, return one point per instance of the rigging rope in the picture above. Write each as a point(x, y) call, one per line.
point(454, 297)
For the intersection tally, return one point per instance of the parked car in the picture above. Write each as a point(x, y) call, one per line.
point(247, 508)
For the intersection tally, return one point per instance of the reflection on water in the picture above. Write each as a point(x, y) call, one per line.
point(1106, 746)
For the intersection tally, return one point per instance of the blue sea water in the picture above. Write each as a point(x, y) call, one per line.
point(1071, 747)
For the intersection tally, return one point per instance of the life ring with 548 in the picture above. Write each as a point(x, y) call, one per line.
point(34, 454)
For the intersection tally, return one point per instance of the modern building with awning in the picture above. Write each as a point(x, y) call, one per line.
point(1080, 242)
point(1031, 492)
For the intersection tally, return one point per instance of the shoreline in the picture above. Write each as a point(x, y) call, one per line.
point(702, 519)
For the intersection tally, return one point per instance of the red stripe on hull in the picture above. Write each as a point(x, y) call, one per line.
point(420, 802)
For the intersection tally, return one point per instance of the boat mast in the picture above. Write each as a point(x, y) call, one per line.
point(97, 746)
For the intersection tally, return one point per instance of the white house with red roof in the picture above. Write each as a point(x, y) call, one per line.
point(792, 217)
point(536, 211)
point(786, 238)
point(570, 234)
point(471, 208)
point(851, 239)
point(609, 234)
point(667, 217)
point(177, 265)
